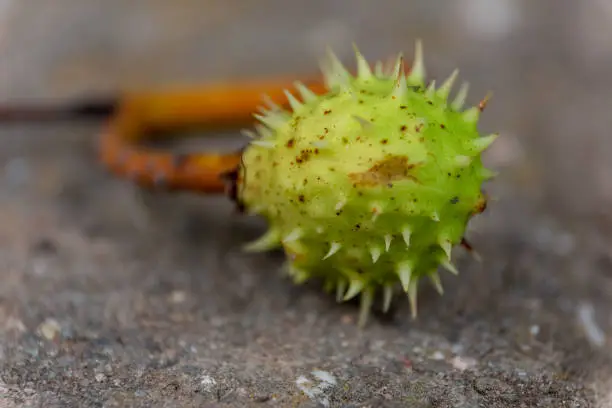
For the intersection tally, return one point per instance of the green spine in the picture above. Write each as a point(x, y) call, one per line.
point(370, 185)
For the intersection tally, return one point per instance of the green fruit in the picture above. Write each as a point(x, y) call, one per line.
point(370, 185)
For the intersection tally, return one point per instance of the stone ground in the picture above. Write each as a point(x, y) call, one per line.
point(113, 297)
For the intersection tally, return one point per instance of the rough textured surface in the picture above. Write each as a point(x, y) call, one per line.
point(115, 297)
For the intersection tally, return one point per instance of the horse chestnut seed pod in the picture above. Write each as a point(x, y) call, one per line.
point(370, 185)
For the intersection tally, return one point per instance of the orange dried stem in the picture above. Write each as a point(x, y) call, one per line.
point(213, 106)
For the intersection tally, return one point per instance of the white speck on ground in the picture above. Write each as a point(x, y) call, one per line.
point(317, 393)
point(325, 377)
point(586, 318)
point(49, 329)
point(178, 296)
point(207, 382)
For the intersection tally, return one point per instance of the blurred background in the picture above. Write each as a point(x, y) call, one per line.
point(546, 238)
point(548, 64)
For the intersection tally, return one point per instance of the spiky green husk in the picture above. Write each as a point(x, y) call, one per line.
point(370, 185)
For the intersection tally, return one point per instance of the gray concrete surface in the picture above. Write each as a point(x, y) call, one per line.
point(113, 297)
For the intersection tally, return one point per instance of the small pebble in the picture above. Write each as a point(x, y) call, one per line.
point(317, 392)
point(49, 329)
point(207, 382)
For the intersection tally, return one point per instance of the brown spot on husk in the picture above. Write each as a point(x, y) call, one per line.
point(391, 168)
